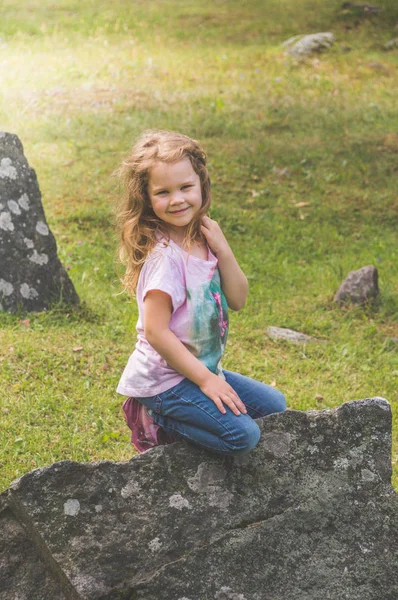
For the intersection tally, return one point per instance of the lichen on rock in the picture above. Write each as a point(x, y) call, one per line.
point(33, 274)
point(314, 498)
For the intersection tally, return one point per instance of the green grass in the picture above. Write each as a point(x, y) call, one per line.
point(80, 80)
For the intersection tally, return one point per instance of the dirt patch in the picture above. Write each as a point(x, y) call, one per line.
point(390, 141)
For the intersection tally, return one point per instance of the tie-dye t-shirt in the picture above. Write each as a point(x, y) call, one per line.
point(199, 318)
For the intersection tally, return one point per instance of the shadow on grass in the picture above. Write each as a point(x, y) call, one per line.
point(58, 315)
point(384, 307)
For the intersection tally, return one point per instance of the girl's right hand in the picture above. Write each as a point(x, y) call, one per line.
point(220, 392)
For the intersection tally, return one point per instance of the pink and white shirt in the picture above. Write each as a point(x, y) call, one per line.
point(199, 318)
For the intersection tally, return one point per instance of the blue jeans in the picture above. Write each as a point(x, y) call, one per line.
point(186, 412)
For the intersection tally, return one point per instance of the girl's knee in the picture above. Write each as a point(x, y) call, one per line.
point(245, 437)
point(280, 402)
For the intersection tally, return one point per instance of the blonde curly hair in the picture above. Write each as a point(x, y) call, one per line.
point(138, 226)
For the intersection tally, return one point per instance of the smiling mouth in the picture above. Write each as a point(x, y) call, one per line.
point(178, 212)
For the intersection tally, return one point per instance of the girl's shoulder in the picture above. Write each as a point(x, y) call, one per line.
point(164, 269)
point(163, 258)
point(163, 250)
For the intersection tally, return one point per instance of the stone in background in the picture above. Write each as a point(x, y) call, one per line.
point(31, 275)
point(289, 335)
point(301, 46)
point(359, 286)
point(310, 513)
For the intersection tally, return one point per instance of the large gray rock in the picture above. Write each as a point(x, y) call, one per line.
point(31, 275)
point(359, 286)
point(309, 514)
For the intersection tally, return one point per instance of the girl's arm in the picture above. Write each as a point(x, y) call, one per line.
point(157, 315)
point(233, 280)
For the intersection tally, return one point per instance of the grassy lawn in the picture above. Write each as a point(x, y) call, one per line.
point(80, 80)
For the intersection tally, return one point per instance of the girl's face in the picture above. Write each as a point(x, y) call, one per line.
point(175, 193)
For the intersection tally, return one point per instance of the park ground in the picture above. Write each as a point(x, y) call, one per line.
point(303, 163)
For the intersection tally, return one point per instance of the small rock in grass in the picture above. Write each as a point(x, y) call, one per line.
point(359, 287)
point(301, 46)
point(377, 65)
point(281, 333)
point(281, 172)
point(390, 45)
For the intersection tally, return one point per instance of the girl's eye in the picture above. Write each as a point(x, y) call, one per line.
point(184, 187)
point(162, 192)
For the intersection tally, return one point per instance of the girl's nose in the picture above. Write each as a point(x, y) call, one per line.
point(177, 198)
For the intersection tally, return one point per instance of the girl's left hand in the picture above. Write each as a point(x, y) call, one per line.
point(214, 235)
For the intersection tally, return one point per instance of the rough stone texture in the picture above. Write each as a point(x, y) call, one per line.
point(281, 333)
point(31, 275)
point(309, 514)
point(359, 286)
point(23, 575)
point(301, 46)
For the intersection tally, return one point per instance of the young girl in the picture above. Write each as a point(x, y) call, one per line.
point(185, 276)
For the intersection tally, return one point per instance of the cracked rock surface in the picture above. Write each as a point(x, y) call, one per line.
point(31, 275)
point(309, 514)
